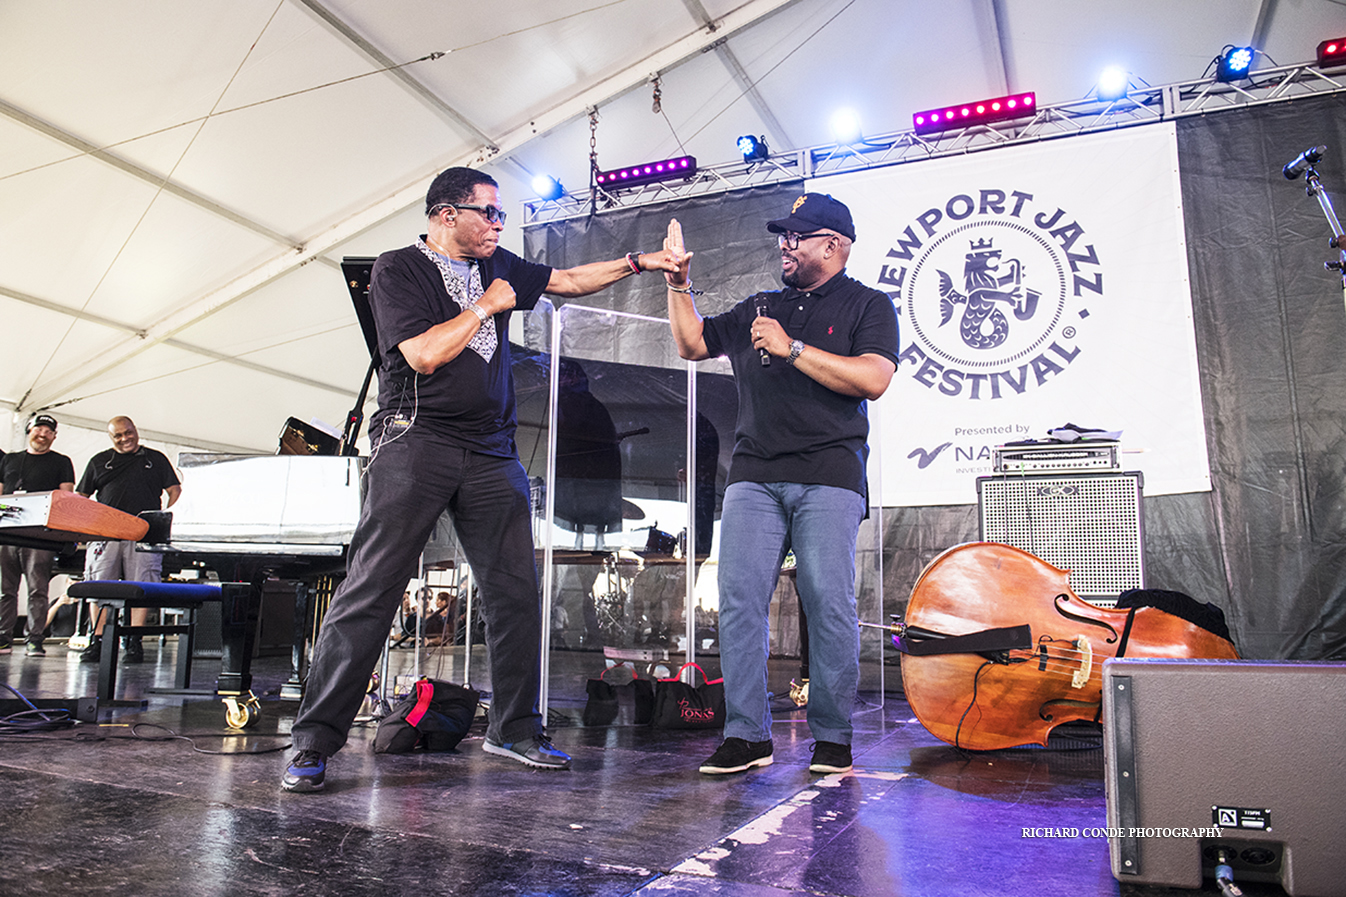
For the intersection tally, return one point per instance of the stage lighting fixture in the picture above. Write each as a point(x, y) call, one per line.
point(648, 173)
point(1235, 64)
point(1332, 53)
point(964, 115)
point(547, 187)
point(1113, 83)
point(846, 126)
point(754, 149)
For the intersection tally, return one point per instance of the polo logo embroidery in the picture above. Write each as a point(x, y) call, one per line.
point(829, 330)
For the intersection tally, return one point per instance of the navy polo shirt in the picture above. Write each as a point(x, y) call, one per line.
point(792, 429)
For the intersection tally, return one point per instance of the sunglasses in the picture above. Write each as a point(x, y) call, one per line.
point(493, 214)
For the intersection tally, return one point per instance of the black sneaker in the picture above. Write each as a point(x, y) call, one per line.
point(537, 752)
point(738, 755)
point(828, 756)
point(305, 772)
point(133, 651)
point(6, 648)
point(35, 649)
point(92, 653)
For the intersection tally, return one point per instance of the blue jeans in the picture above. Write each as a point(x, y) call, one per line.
point(760, 523)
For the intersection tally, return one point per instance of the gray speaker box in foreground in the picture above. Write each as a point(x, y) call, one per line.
point(1255, 749)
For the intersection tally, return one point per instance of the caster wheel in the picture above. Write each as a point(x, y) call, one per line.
point(240, 715)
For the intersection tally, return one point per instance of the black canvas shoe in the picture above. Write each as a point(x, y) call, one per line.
point(92, 653)
point(828, 757)
point(537, 752)
point(305, 772)
point(132, 650)
point(738, 755)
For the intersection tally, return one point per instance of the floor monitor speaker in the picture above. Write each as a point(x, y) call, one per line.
point(1241, 758)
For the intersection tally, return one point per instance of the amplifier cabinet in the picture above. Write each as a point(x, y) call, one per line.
point(1087, 523)
point(1244, 757)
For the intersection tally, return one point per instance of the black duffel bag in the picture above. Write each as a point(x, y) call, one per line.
point(435, 716)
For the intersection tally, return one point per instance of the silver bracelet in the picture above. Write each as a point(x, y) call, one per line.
point(688, 289)
point(481, 313)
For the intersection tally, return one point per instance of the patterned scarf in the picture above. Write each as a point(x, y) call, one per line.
point(465, 294)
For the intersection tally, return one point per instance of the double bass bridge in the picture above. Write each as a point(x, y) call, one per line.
point(1080, 677)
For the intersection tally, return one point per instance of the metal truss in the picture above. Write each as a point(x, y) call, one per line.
point(1140, 106)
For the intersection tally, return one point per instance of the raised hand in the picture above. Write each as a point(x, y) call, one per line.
point(677, 253)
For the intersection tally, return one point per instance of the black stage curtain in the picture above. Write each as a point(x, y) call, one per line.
point(1268, 543)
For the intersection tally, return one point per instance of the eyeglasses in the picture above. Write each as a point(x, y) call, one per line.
point(790, 240)
point(493, 214)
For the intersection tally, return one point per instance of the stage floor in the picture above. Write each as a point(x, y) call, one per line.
point(165, 799)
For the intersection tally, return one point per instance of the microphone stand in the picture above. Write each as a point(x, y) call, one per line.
point(1338, 241)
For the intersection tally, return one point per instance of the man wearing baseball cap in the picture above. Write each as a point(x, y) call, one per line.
point(38, 469)
point(806, 359)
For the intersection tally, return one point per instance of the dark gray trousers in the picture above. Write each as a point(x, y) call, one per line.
point(412, 479)
point(34, 566)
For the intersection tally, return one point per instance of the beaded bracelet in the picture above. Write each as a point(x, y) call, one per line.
point(688, 290)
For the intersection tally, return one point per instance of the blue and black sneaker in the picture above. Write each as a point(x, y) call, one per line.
point(305, 772)
point(537, 752)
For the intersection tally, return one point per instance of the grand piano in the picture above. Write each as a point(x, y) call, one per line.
point(249, 518)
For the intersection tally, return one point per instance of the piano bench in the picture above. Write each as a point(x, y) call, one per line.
point(239, 605)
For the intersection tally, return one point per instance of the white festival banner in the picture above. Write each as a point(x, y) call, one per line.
point(1035, 287)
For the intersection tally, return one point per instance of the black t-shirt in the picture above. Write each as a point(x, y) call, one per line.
point(469, 401)
point(131, 482)
point(792, 429)
point(27, 472)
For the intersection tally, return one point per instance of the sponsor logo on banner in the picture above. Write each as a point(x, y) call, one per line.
point(994, 291)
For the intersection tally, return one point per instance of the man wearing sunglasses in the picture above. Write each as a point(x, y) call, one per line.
point(443, 438)
point(806, 359)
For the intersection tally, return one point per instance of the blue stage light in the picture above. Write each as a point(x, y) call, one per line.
point(1113, 83)
point(547, 187)
point(1235, 64)
point(754, 149)
point(846, 126)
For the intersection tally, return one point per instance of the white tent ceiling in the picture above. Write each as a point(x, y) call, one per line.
point(179, 179)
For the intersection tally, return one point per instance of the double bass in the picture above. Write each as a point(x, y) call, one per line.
point(998, 651)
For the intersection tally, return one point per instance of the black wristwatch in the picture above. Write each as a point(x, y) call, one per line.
point(796, 348)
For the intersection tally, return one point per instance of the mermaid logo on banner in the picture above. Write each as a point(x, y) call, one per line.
point(1008, 318)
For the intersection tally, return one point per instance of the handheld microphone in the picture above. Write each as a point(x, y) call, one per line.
point(1302, 162)
point(766, 356)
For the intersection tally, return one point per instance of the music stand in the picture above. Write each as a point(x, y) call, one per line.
point(357, 271)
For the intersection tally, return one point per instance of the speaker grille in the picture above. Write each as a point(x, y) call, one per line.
point(1089, 524)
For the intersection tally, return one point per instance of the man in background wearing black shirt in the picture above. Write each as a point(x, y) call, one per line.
point(39, 469)
point(130, 478)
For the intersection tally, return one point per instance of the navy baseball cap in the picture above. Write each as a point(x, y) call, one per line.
point(815, 211)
